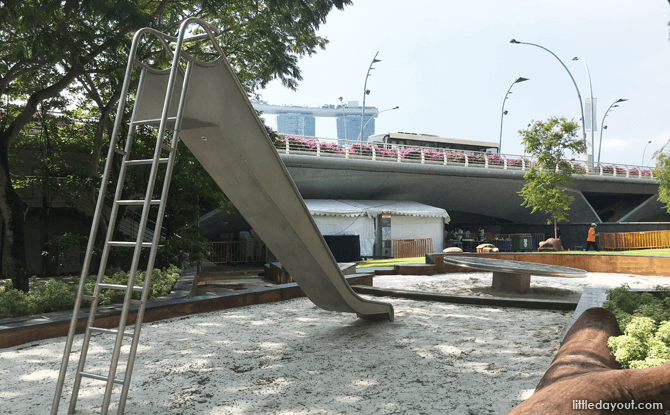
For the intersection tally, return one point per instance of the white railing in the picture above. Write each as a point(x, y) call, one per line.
point(398, 153)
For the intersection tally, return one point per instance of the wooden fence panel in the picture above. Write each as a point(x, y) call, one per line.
point(408, 248)
point(635, 240)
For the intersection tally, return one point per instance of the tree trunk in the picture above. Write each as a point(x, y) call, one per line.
point(13, 210)
point(555, 229)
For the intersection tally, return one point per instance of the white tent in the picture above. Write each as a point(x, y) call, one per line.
point(409, 220)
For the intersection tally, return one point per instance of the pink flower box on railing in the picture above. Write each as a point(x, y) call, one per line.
point(433, 155)
point(387, 153)
point(317, 147)
point(360, 150)
point(495, 160)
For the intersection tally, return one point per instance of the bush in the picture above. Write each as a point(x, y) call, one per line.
point(58, 296)
point(644, 320)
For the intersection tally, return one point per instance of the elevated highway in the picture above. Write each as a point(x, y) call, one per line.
point(616, 194)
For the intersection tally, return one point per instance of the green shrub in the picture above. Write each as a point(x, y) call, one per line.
point(53, 296)
point(645, 321)
point(58, 296)
point(15, 302)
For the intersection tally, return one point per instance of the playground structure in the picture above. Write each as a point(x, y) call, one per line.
point(206, 107)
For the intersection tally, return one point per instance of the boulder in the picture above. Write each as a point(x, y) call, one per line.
point(487, 248)
point(453, 249)
point(551, 244)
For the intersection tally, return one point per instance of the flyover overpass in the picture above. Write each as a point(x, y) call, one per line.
point(613, 193)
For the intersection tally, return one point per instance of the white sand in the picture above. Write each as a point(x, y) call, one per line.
point(294, 358)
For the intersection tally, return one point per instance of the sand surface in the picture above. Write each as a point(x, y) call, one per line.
point(291, 357)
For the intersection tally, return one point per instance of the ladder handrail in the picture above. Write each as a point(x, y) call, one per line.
point(100, 207)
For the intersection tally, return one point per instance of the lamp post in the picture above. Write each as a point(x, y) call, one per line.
point(593, 121)
point(519, 79)
point(366, 92)
point(645, 150)
point(603, 126)
point(344, 120)
point(377, 114)
point(581, 106)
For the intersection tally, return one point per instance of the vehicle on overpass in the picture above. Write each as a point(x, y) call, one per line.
point(429, 140)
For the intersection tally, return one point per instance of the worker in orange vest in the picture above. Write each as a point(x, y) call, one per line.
point(591, 239)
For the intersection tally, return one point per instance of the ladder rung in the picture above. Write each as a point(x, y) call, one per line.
point(145, 161)
point(99, 377)
point(111, 331)
point(166, 147)
point(139, 202)
point(152, 121)
point(136, 302)
point(119, 151)
point(88, 297)
point(120, 287)
point(129, 244)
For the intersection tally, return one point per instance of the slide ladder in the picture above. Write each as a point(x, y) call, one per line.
point(206, 107)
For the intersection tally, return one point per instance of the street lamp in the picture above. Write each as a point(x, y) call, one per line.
point(603, 126)
point(593, 121)
point(520, 79)
point(377, 114)
point(366, 92)
point(344, 120)
point(645, 150)
point(581, 106)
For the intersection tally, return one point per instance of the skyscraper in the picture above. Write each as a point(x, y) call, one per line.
point(297, 123)
point(353, 125)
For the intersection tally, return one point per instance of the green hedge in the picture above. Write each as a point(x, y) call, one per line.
point(644, 321)
point(58, 296)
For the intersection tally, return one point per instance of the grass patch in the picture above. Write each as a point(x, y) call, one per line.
point(391, 262)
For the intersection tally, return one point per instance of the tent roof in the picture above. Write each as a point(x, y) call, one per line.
point(372, 208)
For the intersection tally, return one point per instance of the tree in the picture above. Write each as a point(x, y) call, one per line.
point(546, 181)
point(46, 45)
point(662, 174)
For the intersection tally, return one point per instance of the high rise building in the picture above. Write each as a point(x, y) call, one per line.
point(301, 120)
point(353, 127)
point(297, 123)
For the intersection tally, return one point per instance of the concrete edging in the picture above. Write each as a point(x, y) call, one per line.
point(20, 330)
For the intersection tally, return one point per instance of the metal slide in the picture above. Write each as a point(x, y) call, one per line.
point(206, 107)
point(221, 128)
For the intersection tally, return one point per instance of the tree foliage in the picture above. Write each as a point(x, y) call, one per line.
point(662, 174)
point(546, 181)
point(72, 51)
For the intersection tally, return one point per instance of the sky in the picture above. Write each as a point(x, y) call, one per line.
point(449, 63)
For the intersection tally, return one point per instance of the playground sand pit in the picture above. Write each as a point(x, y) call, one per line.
point(291, 357)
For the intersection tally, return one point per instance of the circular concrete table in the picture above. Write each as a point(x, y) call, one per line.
point(513, 275)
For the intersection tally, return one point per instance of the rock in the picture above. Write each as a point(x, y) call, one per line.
point(551, 244)
point(453, 249)
point(486, 248)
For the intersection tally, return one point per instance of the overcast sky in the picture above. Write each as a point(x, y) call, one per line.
point(448, 64)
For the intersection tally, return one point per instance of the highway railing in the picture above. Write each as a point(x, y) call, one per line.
point(398, 153)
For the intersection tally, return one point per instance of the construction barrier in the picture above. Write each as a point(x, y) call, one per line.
point(635, 240)
point(408, 248)
point(237, 252)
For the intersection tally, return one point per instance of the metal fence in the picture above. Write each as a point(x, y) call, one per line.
point(320, 147)
point(536, 238)
point(252, 252)
point(635, 240)
point(408, 248)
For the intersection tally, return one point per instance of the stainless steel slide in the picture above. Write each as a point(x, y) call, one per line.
point(222, 130)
